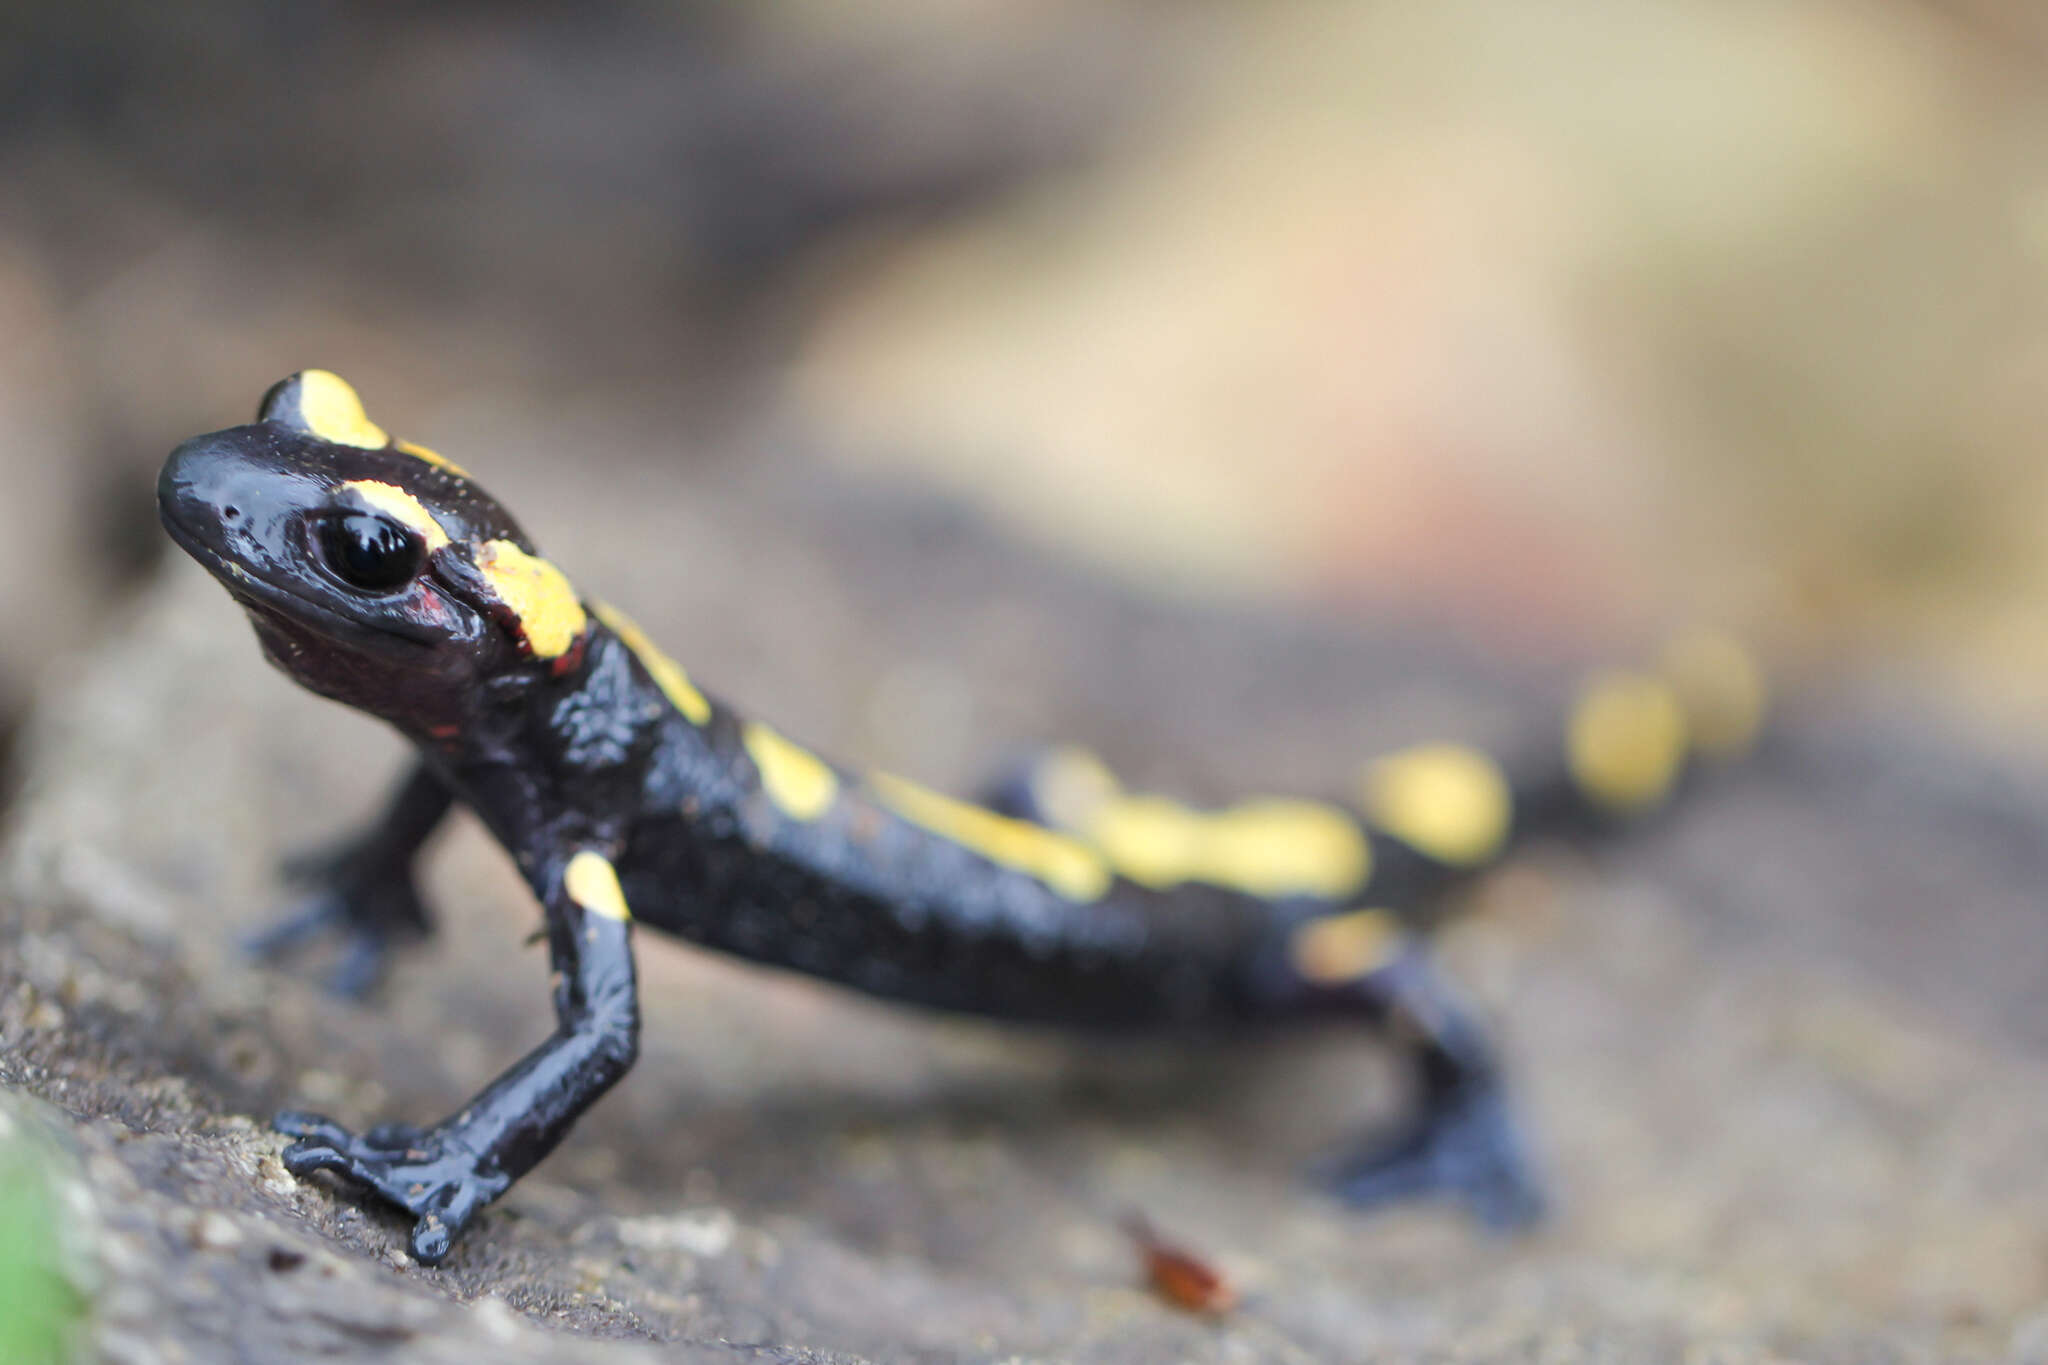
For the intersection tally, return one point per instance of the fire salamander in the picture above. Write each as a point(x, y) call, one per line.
point(378, 573)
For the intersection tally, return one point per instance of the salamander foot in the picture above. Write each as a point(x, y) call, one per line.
point(368, 907)
point(428, 1172)
point(1468, 1148)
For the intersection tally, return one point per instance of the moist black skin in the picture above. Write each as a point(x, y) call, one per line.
point(584, 752)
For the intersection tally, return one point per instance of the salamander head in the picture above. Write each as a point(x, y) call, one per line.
point(374, 571)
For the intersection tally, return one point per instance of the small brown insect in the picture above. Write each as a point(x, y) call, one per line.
point(1178, 1275)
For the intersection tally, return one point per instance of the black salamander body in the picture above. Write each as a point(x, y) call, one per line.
point(377, 573)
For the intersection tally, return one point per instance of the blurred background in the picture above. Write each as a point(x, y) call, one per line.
point(1552, 322)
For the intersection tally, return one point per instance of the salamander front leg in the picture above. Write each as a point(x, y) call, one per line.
point(363, 893)
point(445, 1174)
point(1464, 1141)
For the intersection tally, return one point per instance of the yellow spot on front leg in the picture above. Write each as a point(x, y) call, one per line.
point(1066, 865)
point(1337, 949)
point(402, 507)
point(1627, 741)
point(593, 883)
point(796, 780)
point(668, 675)
point(537, 594)
point(1445, 801)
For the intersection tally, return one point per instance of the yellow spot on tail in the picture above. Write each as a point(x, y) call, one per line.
point(538, 594)
point(402, 507)
point(1071, 786)
point(432, 457)
point(668, 675)
point(1627, 741)
point(1336, 949)
point(593, 883)
point(1722, 688)
point(1446, 801)
point(1266, 848)
point(795, 779)
point(1066, 865)
point(330, 409)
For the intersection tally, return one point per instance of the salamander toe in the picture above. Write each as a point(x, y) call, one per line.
point(1469, 1150)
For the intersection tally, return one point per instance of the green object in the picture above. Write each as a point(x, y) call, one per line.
point(39, 1306)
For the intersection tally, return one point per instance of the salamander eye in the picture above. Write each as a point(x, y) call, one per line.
point(371, 552)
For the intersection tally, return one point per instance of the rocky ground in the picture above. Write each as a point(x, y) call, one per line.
point(1784, 1054)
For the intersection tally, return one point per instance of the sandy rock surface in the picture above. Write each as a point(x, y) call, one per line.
point(1784, 1055)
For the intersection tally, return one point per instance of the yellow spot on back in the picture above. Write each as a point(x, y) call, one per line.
point(538, 594)
point(1627, 741)
point(432, 457)
point(668, 675)
point(1446, 801)
point(402, 507)
point(1265, 848)
point(1071, 785)
point(795, 779)
point(593, 883)
point(330, 409)
point(1722, 689)
point(1066, 865)
point(1336, 949)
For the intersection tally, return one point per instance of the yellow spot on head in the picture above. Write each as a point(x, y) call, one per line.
point(1336, 949)
point(1445, 801)
point(402, 507)
point(1264, 848)
point(668, 675)
point(1066, 865)
point(328, 408)
point(1627, 741)
point(593, 884)
point(797, 780)
point(537, 593)
point(432, 457)
point(1071, 785)
point(1722, 689)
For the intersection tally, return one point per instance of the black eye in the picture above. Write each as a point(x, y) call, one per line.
point(370, 552)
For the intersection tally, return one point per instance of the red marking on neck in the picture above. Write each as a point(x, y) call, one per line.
point(571, 659)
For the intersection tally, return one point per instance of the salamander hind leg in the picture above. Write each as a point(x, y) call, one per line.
point(1470, 1149)
point(1462, 1141)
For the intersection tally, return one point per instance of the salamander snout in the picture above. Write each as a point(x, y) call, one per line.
point(187, 488)
point(227, 497)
